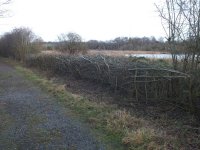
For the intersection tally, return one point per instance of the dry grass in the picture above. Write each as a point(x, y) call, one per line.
point(143, 138)
point(118, 53)
point(137, 134)
point(52, 52)
point(113, 53)
point(119, 121)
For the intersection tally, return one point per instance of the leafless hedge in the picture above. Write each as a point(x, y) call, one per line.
point(143, 81)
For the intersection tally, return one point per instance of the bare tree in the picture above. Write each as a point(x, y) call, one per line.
point(71, 43)
point(37, 44)
point(3, 10)
point(181, 22)
point(22, 40)
point(19, 43)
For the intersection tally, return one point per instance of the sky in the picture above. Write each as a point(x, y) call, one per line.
point(92, 19)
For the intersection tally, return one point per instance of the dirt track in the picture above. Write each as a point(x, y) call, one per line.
point(31, 119)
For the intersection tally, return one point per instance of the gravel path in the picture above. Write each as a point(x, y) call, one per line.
point(31, 119)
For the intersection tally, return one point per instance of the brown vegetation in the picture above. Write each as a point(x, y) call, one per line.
point(112, 53)
point(71, 43)
point(138, 129)
point(118, 53)
point(142, 80)
point(19, 43)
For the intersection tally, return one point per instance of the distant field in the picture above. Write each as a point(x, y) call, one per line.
point(122, 52)
point(114, 53)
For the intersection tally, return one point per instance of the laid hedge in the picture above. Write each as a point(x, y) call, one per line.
point(137, 78)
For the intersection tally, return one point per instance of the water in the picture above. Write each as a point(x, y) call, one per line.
point(153, 56)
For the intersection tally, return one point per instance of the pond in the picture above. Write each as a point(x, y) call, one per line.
point(153, 56)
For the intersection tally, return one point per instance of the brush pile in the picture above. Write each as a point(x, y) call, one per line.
point(137, 78)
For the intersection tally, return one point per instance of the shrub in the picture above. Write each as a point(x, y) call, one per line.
point(71, 43)
point(19, 43)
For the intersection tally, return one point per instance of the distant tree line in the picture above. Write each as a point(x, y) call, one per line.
point(128, 43)
point(73, 43)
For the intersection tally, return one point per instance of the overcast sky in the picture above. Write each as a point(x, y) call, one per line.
point(92, 19)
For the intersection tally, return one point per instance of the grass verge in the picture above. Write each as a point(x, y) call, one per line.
point(118, 129)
